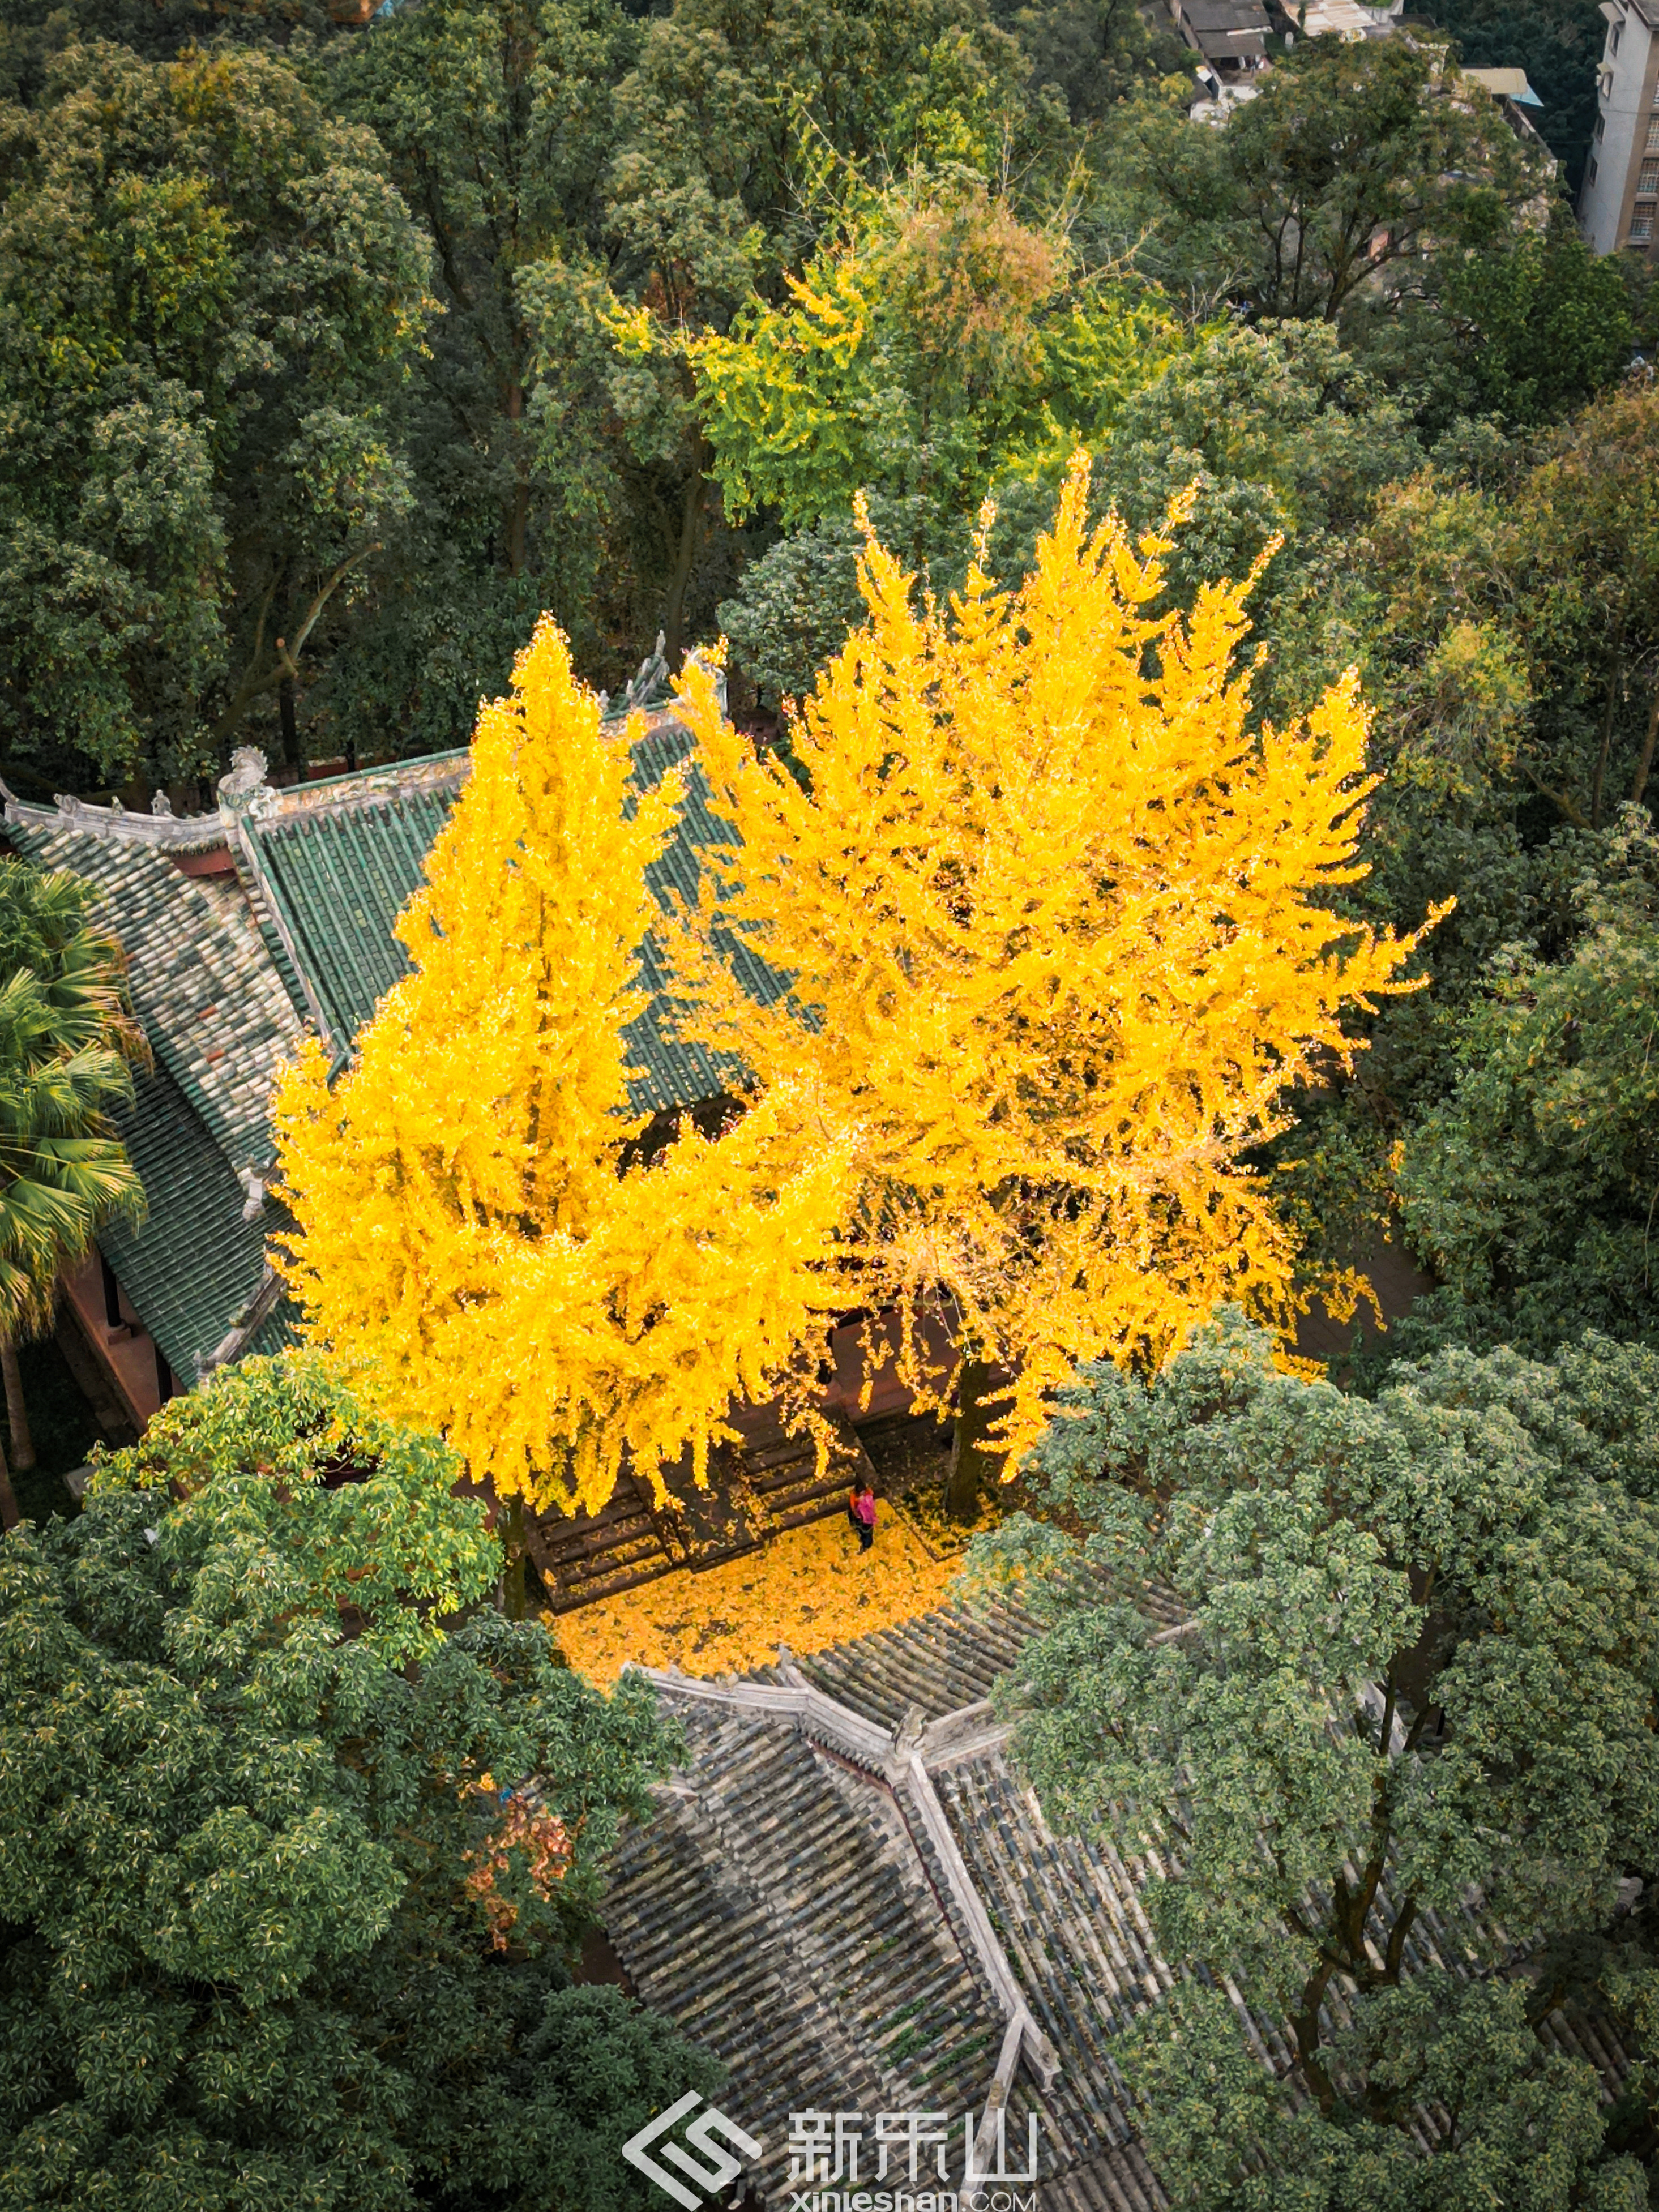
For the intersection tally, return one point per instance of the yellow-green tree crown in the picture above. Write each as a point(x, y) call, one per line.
point(1059, 916)
point(463, 1228)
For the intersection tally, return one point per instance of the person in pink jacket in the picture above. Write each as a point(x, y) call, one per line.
point(861, 1512)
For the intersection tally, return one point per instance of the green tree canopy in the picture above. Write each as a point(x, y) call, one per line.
point(285, 1447)
point(1352, 163)
point(1499, 604)
point(1589, 518)
point(1091, 52)
point(604, 185)
point(1279, 433)
point(1547, 323)
point(209, 295)
point(1533, 1189)
point(35, 32)
point(1404, 1736)
point(499, 119)
point(747, 129)
point(288, 1874)
point(939, 344)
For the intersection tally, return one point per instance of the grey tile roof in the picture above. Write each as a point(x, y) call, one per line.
point(216, 1013)
point(780, 1914)
point(787, 1906)
point(722, 1905)
point(934, 1665)
point(194, 1263)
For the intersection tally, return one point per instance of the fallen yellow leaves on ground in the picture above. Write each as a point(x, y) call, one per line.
point(808, 1587)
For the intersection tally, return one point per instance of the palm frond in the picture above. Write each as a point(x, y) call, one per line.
point(68, 1045)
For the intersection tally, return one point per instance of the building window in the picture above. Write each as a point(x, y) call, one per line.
point(1652, 146)
point(1589, 174)
point(1641, 225)
point(1618, 34)
point(1601, 126)
point(1649, 179)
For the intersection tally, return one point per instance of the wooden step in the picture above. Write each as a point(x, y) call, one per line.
point(782, 1473)
point(612, 1584)
point(800, 1491)
point(582, 1557)
point(577, 1539)
point(767, 1481)
point(809, 1499)
point(717, 1522)
point(798, 1515)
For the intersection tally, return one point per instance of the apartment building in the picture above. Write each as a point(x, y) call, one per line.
point(1620, 192)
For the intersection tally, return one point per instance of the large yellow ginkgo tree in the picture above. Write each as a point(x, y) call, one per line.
point(1060, 923)
point(473, 1228)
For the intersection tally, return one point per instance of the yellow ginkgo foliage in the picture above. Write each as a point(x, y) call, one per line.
point(1059, 920)
point(469, 1225)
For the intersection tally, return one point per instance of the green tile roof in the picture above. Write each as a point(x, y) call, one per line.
point(678, 1073)
point(338, 877)
point(338, 880)
point(193, 1263)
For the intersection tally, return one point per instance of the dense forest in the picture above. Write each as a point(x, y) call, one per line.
point(334, 355)
point(330, 357)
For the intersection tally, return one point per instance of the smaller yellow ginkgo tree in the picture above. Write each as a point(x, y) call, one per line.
point(473, 1229)
point(1060, 926)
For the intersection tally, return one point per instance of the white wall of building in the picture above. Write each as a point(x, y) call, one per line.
point(1617, 201)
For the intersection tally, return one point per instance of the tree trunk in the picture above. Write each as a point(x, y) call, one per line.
point(517, 513)
point(288, 719)
point(17, 1413)
point(513, 1577)
point(1304, 2031)
point(9, 1515)
point(1646, 761)
point(973, 1463)
point(1613, 674)
point(680, 582)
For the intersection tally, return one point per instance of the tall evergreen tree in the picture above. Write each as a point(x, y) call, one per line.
point(1388, 1778)
point(293, 1864)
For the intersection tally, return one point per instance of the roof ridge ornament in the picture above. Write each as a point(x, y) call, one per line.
point(244, 790)
point(120, 826)
point(650, 680)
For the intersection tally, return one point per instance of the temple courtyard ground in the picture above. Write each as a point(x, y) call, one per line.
point(809, 1587)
